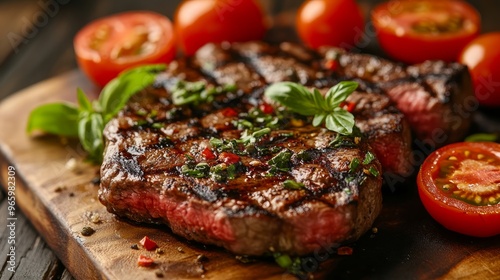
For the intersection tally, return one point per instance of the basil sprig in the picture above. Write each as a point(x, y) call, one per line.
point(87, 119)
point(325, 109)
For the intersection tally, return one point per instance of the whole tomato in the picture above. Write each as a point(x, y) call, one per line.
point(330, 23)
point(198, 22)
point(482, 56)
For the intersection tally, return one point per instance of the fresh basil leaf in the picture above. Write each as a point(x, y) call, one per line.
point(339, 93)
point(55, 118)
point(118, 91)
point(340, 121)
point(83, 101)
point(319, 119)
point(90, 128)
point(293, 96)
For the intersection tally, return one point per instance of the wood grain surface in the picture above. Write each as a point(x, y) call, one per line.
point(60, 201)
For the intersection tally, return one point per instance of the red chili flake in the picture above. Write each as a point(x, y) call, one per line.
point(331, 64)
point(208, 154)
point(229, 112)
point(349, 106)
point(344, 251)
point(229, 158)
point(148, 244)
point(266, 108)
point(145, 261)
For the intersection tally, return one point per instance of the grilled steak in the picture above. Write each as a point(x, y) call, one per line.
point(169, 169)
point(232, 171)
point(434, 96)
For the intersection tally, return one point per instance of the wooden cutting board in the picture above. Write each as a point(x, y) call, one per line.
point(60, 200)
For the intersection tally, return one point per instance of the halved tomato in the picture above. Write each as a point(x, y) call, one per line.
point(459, 185)
point(413, 31)
point(110, 45)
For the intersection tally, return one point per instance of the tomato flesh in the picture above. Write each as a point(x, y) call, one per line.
point(110, 45)
point(148, 244)
point(145, 261)
point(459, 185)
point(482, 56)
point(330, 23)
point(198, 22)
point(229, 158)
point(419, 30)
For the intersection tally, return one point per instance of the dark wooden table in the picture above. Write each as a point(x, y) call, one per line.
point(36, 44)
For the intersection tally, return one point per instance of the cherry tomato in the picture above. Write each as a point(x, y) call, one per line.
point(198, 22)
point(482, 56)
point(109, 45)
point(413, 31)
point(459, 186)
point(330, 23)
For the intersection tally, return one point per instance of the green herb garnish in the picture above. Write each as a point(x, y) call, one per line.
point(354, 164)
point(369, 157)
point(87, 120)
point(280, 162)
point(294, 266)
point(482, 137)
point(325, 109)
point(184, 93)
point(293, 185)
point(200, 170)
point(373, 171)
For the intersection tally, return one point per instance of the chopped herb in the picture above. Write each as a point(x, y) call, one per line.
point(304, 155)
point(157, 125)
point(483, 137)
point(369, 157)
point(222, 172)
point(373, 171)
point(184, 93)
point(293, 266)
point(283, 260)
point(293, 185)
point(252, 138)
point(354, 164)
point(281, 162)
point(342, 141)
point(200, 170)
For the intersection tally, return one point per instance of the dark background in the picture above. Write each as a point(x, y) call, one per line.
point(36, 44)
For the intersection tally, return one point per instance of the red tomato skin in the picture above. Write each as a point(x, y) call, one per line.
point(148, 244)
point(454, 214)
point(208, 154)
point(337, 23)
point(198, 22)
point(414, 48)
point(101, 68)
point(229, 158)
point(145, 261)
point(482, 56)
